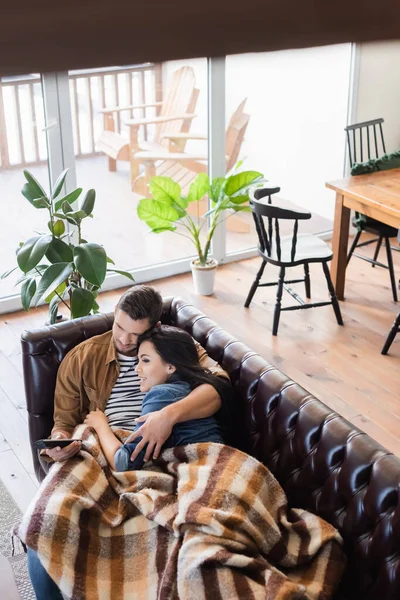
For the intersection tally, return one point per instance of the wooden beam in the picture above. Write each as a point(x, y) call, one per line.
point(41, 37)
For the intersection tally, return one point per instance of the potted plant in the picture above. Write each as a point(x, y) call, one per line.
point(55, 269)
point(166, 210)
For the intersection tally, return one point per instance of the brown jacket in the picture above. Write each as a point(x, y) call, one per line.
point(87, 375)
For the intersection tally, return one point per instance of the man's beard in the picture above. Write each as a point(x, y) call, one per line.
point(131, 352)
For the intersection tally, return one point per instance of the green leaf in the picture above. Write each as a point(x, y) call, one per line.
point(77, 214)
point(60, 290)
point(95, 307)
point(66, 217)
point(88, 202)
point(239, 199)
point(32, 189)
point(66, 207)
point(217, 187)
point(165, 189)
point(238, 208)
point(20, 280)
point(58, 251)
point(124, 273)
point(199, 187)
point(35, 272)
point(237, 182)
point(91, 262)
point(53, 309)
point(156, 214)
point(59, 184)
point(165, 228)
point(59, 228)
point(81, 302)
point(109, 260)
point(70, 198)
point(53, 276)
point(28, 192)
point(32, 252)
point(41, 202)
point(27, 292)
point(7, 273)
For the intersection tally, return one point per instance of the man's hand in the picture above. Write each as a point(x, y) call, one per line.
point(156, 429)
point(96, 419)
point(60, 454)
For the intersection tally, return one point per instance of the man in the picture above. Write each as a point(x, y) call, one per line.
point(100, 373)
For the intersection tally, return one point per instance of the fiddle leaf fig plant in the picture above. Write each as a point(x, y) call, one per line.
point(166, 209)
point(54, 268)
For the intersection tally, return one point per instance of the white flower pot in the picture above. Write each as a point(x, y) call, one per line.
point(203, 277)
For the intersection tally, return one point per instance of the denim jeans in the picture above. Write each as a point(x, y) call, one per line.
point(42, 583)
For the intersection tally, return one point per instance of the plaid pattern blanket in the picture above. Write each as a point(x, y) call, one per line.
point(203, 521)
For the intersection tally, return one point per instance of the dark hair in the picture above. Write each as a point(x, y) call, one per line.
point(142, 302)
point(176, 347)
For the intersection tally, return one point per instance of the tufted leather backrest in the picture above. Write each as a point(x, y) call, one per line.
point(322, 461)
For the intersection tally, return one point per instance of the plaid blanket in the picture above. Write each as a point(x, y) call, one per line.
point(203, 521)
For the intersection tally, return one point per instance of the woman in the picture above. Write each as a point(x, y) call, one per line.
point(169, 369)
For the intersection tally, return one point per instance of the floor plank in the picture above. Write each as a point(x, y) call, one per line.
point(17, 481)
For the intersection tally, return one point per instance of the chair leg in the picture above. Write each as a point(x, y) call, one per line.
point(277, 311)
point(391, 269)
point(254, 285)
point(392, 335)
point(378, 247)
point(307, 282)
point(335, 303)
point(353, 246)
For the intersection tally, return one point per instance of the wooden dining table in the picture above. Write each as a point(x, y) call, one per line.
point(376, 195)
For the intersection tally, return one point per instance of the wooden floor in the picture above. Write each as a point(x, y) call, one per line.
point(342, 366)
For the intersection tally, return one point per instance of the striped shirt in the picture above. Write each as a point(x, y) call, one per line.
point(126, 399)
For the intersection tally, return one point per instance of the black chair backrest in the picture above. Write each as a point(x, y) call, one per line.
point(361, 133)
point(270, 237)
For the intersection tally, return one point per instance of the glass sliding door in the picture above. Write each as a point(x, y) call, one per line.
point(117, 112)
point(22, 146)
point(118, 126)
point(296, 102)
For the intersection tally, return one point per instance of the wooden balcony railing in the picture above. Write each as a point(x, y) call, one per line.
point(22, 139)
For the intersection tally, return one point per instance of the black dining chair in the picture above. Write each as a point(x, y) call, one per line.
point(363, 141)
point(287, 251)
point(392, 334)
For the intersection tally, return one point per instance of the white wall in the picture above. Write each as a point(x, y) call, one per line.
point(297, 102)
point(379, 88)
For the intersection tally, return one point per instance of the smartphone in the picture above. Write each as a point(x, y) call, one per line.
point(43, 444)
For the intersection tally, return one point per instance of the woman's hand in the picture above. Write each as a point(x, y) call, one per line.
point(156, 429)
point(96, 419)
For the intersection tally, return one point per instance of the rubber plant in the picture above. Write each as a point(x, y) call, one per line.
point(166, 209)
point(54, 268)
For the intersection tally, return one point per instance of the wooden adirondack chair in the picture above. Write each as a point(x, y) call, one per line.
point(184, 167)
point(176, 114)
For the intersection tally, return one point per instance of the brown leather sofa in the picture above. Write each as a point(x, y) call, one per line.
point(322, 461)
